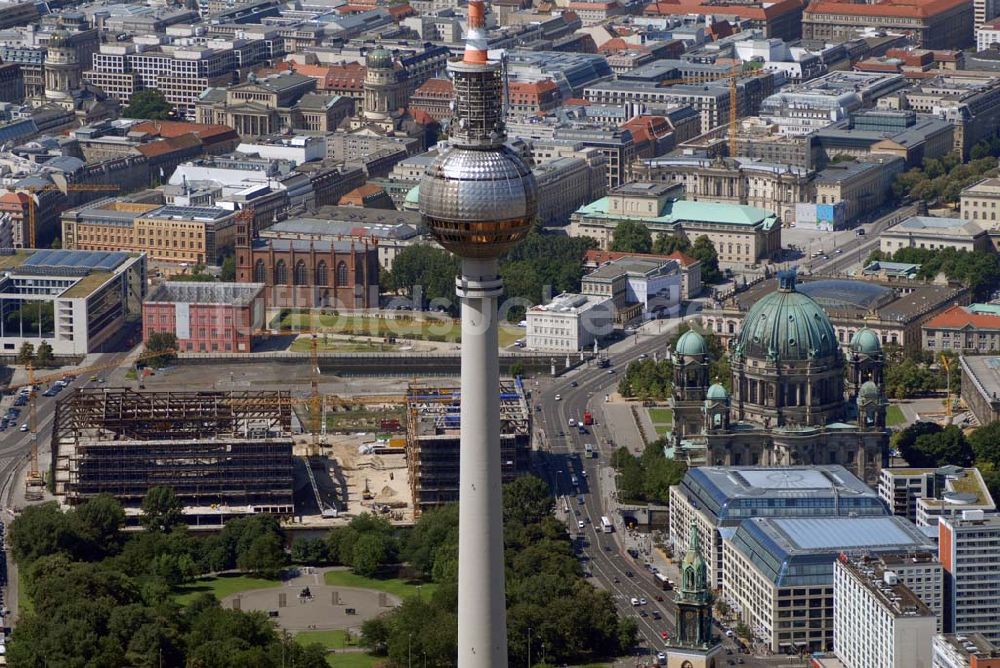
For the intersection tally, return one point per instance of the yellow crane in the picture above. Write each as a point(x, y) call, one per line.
point(734, 115)
point(32, 239)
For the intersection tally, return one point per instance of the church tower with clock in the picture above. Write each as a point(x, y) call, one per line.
point(694, 646)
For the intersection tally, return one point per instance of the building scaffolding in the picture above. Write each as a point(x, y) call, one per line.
point(217, 450)
point(433, 430)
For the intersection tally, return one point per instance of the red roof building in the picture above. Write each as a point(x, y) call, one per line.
point(933, 24)
point(433, 97)
point(215, 139)
point(961, 328)
point(368, 196)
point(781, 19)
point(536, 97)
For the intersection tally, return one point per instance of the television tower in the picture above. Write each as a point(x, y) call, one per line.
point(479, 200)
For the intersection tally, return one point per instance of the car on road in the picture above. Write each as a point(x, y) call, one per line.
point(573, 384)
point(642, 601)
point(635, 601)
point(661, 658)
point(628, 574)
point(579, 525)
point(839, 251)
point(729, 633)
point(24, 427)
point(558, 397)
point(659, 598)
point(611, 371)
point(583, 473)
point(656, 614)
point(643, 356)
point(572, 422)
point(664, 635)
point(643, 613)
point(93, 379)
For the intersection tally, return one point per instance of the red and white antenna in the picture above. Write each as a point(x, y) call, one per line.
point(476, 45)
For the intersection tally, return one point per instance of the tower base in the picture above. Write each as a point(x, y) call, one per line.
point(683, 657)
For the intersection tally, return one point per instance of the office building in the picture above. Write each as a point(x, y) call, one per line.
point(74, 301)
point(566, 184)
point(742, 235)
point(904, 134)
point(205, 317)
point(690, 268)
point(877, 620)
point(968, 547)
point(719, 498)
point(782, 19)
point(171, 233)
point(943, 24)
point(778, 573)
point(569, 323)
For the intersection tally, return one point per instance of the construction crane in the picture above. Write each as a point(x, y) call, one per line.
point(734, 116)
point(59, 375)
point(32, 239)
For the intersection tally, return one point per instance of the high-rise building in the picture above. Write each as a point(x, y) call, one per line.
point(877, 620)
point(479, 200)
point(960, 651)
point(969, 550)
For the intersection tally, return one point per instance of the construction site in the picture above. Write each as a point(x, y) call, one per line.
point(224, 453)
point(433, 426)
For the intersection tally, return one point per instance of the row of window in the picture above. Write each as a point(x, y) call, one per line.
point(300, 274)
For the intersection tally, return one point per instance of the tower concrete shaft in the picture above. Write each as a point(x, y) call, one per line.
point(482, 628)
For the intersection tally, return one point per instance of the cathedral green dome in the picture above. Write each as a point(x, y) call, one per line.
point(379, 58)
point(866, 341)
point(691, 343)
point(786, 325)
point(717, 393)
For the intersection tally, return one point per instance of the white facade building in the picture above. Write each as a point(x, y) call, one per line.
point(299, 149)
point(877, 621)
point(569, 323)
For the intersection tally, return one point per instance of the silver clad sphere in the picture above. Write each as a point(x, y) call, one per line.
point(478, 203)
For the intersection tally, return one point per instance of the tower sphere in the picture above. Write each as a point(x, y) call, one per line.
point(478, 203)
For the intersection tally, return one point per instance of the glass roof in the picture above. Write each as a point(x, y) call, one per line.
point(840, 293)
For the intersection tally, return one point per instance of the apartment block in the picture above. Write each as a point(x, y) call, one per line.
point(969, 550)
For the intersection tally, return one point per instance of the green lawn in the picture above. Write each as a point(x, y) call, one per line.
point(335, 639)
point(660, 415)
point(221, 586)
point(24, 603)
point(303, 345)
point(436, 327)
point(352, 660)
point(894, 416)
point(394, 586)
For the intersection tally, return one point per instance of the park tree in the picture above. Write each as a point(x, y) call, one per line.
point(99, 522)
point(149, 104)
point(527, 500)
point(435, 528)
point(370, 552)
point(41, 530)
point(424, 271)
point(631, 236)
point(161, 509)
point(704, 251)
point(666, 244)
point(43, 356)
point(926, 444)
point(309, 551)
point(26, 353)
point(985, 443)
point(161, 347)
point(264, 556)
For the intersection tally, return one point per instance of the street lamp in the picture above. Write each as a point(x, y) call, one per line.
point(529, 647)
point(409, 654)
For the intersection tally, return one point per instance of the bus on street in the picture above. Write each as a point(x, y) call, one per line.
point(606, 525)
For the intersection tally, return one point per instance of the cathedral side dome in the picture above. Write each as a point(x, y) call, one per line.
point(786, 325)
point(717, 393)
point(691, 343)
point(866, 341)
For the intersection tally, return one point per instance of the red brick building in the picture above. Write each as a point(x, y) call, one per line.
point(434, 97)
point(781, 19)
point(305, 273)
point(205, 317)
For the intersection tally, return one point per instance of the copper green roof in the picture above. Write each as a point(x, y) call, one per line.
point(691, 343)
point(694, 212)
